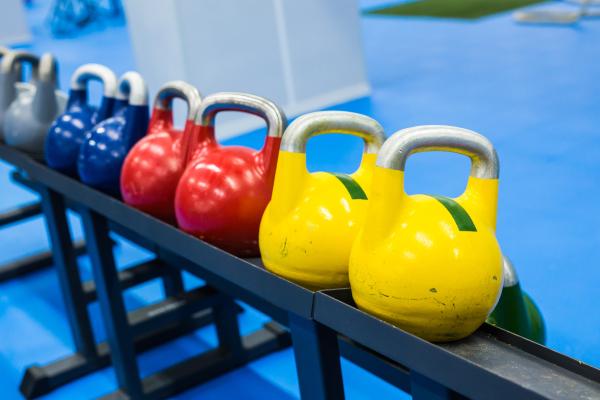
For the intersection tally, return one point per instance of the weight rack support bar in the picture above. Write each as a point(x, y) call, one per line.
point(40, 380)
point(233, 350)
point(68, 273)
point(317, 359)
point(20, 213)
point(378, 365)
point(209, 365)
point(129, 277)
point(33, 263)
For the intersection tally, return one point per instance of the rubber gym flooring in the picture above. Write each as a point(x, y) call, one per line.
point(533, 90)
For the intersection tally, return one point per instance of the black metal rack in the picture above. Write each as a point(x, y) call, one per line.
point(180, 313)
point(492, 363)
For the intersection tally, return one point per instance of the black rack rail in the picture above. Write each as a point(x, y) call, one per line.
point(492, 363)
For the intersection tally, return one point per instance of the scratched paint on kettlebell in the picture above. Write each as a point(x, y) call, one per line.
point(458, 213)
point(353, 188)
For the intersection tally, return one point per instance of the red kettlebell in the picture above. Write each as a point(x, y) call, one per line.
point(224, 190)
point(154, 165)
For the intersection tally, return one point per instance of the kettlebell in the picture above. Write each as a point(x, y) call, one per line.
point(430, 264)
point(515, 310)
point(307, 230)
point(224, 190)
point(32, 111)
point(155, 163)
point(102, 153)
point(68, 131)
point(10, 86)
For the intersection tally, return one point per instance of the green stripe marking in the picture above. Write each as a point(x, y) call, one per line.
point(458, 213)
point(353, 188)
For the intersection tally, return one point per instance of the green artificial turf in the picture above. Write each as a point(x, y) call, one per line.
point(463, 9)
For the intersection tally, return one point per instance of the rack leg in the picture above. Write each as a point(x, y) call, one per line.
point(423, 388)
point(118, 331)
point(67, 269)
point(317, 359)
point(228, 329)
point(172, 281)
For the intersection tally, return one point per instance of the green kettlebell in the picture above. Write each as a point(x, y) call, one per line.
point(515, 310)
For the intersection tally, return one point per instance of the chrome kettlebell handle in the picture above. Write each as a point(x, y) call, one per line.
point(48, 69)
point(322, 122)
point(243, 102)
point(132, 88)
point(509, 272)
point(397, 149)
point(181, 90)
point(87, 72)
point(12, 60)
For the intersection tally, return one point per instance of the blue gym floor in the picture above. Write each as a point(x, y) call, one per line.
point(533, 90)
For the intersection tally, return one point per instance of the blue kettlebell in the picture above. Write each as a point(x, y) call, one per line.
point(102, 153)
point(68, 131)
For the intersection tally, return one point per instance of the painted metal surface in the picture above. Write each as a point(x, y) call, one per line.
point(224, 190)
point(154, 165)
point(67, 133)
point(417, 262)
point(103, 152)
point(308, 227)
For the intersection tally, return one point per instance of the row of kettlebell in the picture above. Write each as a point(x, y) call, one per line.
point(429, 264)
point(411, 259)
point(71, 135)
point(161, 174)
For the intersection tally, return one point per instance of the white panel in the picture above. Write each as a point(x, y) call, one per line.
point(13, 25)
point(325, 48)
point(155, 40)
point(302, 54)
point(232, 46)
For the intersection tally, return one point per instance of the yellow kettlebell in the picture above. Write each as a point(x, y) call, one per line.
point(430, 264)
point(307, 230)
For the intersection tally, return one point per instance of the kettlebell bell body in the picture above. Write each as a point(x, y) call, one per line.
point(154, 165)
point(224, 190)
point(430, 264)
point(103, 152)
point(516, 311)
point(307, 230)
point(67, 133)
point(27, 119)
